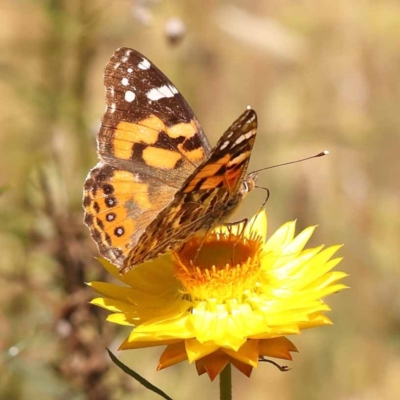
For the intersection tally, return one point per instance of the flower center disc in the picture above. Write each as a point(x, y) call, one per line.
point(215, 253)
point(219, 265)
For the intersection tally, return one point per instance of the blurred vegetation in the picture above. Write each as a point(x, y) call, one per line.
point(320, 74)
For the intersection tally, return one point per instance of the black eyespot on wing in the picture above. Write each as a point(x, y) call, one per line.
point(110, 201)
point(119, 231)
point(108, 189)
point(110, 217)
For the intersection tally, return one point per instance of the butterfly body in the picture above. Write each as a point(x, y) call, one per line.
point(158, 181)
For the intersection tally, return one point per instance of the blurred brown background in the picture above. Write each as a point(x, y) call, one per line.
point(321, 75)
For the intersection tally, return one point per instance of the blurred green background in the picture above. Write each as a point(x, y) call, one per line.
point(321, 74)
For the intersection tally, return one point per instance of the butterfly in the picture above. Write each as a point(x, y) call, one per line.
point(158, 181)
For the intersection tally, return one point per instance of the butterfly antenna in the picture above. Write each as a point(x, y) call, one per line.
point(321, 154)
point(254, 173)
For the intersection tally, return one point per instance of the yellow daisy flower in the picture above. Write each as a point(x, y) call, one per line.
point(234, 301)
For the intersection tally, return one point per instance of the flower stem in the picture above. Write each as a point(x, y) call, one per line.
point(225, 383)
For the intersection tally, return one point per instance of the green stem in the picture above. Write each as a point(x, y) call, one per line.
point(225, 383)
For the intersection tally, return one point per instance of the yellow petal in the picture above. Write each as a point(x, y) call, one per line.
point(248, 353)
point(257, 226)
point(196, 350)
point(112, 291)
point(299, 241)
point(113, 305)
point(283, 236)
point(319, 320)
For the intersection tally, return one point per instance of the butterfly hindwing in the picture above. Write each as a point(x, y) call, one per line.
point(119, 206)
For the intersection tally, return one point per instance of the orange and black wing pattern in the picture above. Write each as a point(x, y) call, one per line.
point(158, 181)
point(149, 142)
point(208, 196)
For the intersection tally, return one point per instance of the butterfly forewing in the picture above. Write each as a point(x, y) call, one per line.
point(206, 199)
point(148, 125)
point(227, 164)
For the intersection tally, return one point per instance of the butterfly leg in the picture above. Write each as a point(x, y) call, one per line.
point(266, 197)
point(263, 204)
point(201, 244)
point(242, 227)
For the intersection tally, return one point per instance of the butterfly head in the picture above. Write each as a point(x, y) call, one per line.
point(248, 183)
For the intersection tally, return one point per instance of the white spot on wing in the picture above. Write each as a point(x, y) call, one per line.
point(240, 158)
point(111, 217)
point(240, 139)
point(161, 92)
point(224, 145)
point(113, 108)
point(124, 59)
point(130, 70)
point(173, 89)
point(248, 135)
point(129, 96)
point(125, 81)
point(136, 178)
point(144, 64)
point(117, 65)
